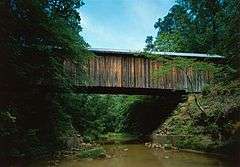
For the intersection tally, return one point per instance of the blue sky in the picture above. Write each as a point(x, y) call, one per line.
point(121, 24)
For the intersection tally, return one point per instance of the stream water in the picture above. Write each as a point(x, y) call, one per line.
point(136, 155)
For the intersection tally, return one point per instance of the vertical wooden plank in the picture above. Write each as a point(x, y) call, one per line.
point(99, 70)
point(92, 79)
point(128, 72)
point(123, 72)
point(140, 72)
point(162, 78)
point(149, 73)
point(101, 67)
point(144, 73)
point(159, 78)
point(96, 83)
point(132, 71)
point(155, 79)
point(117, 72)
point(90, 72)
point(113, 68)
point(93, 72)
point(109, 71)
point(177, 79)
point(152, 73)
point(135, 72)
point(120, 71)
point(108, 68)
point(103, 70)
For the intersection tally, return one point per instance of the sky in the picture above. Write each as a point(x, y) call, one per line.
point(121, 24)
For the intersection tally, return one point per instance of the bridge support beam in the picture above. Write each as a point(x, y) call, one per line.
point(128, 91)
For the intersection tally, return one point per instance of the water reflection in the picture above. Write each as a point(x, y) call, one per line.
point(140, 156)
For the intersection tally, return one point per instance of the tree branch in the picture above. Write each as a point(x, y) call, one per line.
point(194, 95)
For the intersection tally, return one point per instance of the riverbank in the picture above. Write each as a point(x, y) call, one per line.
point(165, 147)
point(216, 131)
point(119, 138)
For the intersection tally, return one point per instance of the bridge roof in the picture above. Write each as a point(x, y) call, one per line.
point(175, 54)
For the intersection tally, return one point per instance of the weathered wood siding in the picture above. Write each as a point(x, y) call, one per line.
point(137, 72)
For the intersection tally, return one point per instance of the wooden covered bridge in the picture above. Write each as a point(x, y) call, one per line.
point(122, 72)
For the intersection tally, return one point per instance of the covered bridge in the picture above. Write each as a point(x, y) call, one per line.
point(122, 72)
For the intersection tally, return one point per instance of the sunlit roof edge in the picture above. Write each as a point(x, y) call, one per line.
point(122, 51)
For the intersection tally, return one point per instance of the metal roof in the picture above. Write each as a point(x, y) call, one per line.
point(130, 52)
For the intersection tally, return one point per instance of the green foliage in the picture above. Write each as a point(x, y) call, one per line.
point(202, 143)
point(185, 65)
point(117, 137)
point(170, 42)
point(97, 152)
point(38, 107)
point(36, 38)
point(188, 67)
point(201, 27)
point(149, 43)
point(219, 131)
point(94, 115)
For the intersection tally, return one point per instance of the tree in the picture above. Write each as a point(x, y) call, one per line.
point(149, 43)
point(170, 42)
point(229, 29)
point(176, 19)
point(202, 27)
point(36, 38)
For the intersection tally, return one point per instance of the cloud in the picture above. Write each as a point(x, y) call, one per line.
point(146, 12)
point(100, 35)
point(95, 29)
point(142, 12)
point(120, 24)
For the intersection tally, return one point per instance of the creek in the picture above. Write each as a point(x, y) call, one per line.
point(137, 155)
